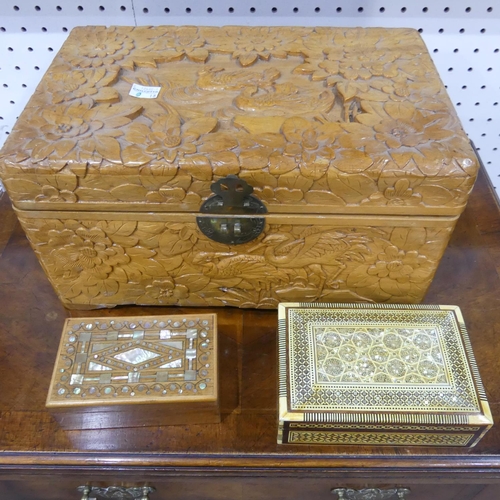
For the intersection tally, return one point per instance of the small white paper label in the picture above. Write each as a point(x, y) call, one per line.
point(143, 92)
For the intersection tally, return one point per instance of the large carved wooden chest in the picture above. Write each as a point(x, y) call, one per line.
point(133, 164)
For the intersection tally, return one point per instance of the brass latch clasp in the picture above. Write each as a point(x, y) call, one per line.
point(232, 209)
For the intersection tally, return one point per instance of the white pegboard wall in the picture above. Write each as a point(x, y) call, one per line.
point(445, 16)
point(463, 38)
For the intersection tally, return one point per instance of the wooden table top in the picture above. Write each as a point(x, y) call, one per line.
point(31, 320)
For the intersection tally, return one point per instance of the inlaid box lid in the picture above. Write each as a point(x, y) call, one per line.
point(378, 365)
point(132, 360)
point(317, 120)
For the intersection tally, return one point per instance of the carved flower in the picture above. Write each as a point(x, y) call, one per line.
point(166, 291)
point(400, 87)
point(374, 52)
point(101, 47)
point(426, 95)
point(247, 44)
point(380, 56)
point(54, 195)
point(408, 126)
point(323, 69)
point(56, 131)
point(400, 270)
point(402, 194)
point(258, 43)
point(395, 268)
point(310, 146)
point(356, 135)
point(169, 137)
point(182, 41)
point(86, 251)
point(417, 68)
point(378, 68)
point(352, 70)
point(66, 86)
point(67, 123)
point(377, 62)
point(320, 38)
point(162, 145)
point(452, 157)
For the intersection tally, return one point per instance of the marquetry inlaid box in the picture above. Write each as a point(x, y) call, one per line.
point(401, 375)
point(135, 372)
point(239, 166)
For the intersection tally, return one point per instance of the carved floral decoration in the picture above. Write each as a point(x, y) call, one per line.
point(402, 194)
point(86, 258)
point(77, 132)
point(185, 41)
point(402, 269)
point(116, 262)
point(168, 137)
point(310, 146)
point(407, 126)
point(94, 83)
point(102, 47)
point(355, 117)
point(53, 195)
point(165, 291)
point(247, 45)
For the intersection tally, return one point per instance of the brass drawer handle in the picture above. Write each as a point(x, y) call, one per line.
point(116, 492)
point(371, 493)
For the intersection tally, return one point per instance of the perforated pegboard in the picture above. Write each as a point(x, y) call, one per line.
point(462, 36)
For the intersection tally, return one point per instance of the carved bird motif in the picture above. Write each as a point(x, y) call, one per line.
point(228, 265)
point(281, 98)
point(314, 249)
point(219, 79)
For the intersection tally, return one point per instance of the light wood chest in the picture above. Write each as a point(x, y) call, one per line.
point(358, 164)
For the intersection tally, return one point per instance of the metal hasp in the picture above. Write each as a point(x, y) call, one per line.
point(232, 206)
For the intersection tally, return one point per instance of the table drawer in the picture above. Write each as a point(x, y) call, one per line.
point(322, 489)
point(51, 487)
point(65, 487)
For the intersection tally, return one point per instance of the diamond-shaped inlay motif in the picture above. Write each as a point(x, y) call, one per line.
point(136, 356)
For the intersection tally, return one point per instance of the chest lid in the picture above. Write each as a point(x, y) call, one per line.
point(378, 368)
point(317, 120)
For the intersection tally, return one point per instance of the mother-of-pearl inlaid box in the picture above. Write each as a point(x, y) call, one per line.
point(136, 371)
point(378, 375)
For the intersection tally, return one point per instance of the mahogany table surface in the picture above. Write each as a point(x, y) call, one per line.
point(233, 456)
